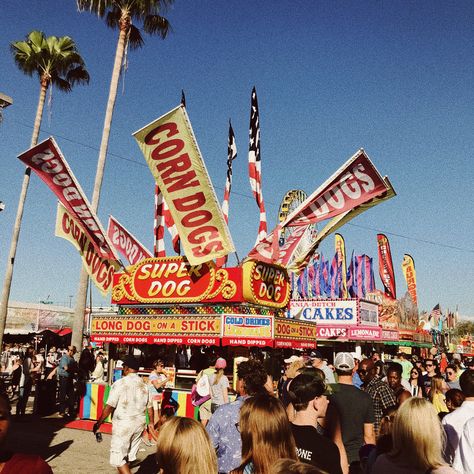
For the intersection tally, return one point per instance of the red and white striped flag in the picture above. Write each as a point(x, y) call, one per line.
point(164, 218)
point(231, 155)
point(255, 164)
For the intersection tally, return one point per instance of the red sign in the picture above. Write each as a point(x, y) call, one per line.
point(189, 340)
point(389, 335)
point(332, 332)
point(368, 333)
point(294, 334)
point(246, 342)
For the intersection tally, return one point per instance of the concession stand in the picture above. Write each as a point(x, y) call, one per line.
point(166, 301)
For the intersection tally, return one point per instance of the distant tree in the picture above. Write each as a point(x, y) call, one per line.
point(464, 328)
point(56, 62)
point(118, 14)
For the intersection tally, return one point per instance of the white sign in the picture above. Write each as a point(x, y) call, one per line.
point(368, 313)
point(325, 312)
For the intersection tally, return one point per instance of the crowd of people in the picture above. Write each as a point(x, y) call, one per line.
point(354, 415)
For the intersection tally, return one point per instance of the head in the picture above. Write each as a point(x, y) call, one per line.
point(466, 381)
point(417, 434)
point(251, 377)
point(266, 432)
point(431, 366)
point(308, 393)
point(316, 359)
point(183, 447)
point(375, 356)
point(415, 375)
point(436, 385)
point(454, 399)
point(130, 365)
point(220, 364)
point(292, 370)
point(470, 363)
point(344, 364)
point(158, 365)
point(394, 375)
point(402, 356)
point(310, 370)
point(386, 424)
point(286, 466)
point(451, 373)
point(366, 370)
point(71, 350)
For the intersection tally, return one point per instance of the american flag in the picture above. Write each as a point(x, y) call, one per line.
point(255, 165)
point(231, 155)
point(435, 313)
point(164, 218)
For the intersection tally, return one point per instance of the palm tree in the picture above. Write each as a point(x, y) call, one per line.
point(56, 62)
point(118, 14)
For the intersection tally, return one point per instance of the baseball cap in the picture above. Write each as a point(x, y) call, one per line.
point(470, 362)
point(344, 361)
point(220, 363)
point(131, 362)
point(315, 355)
point(291, 359)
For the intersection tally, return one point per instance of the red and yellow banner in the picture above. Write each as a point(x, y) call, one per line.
point(386, 271)
point(100, 269)
point(127, 244)
point(408, 268)
point(266, 284)
point(174, 158)
point(47, 161)
point(294, 334)
point(340, 247)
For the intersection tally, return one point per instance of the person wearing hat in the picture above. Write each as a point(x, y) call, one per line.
point(310, 402)
point(129, 399)
point(355, 408)
point(317, 361)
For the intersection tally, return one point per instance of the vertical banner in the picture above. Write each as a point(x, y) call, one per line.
point(386, 266)
point(408, 268)
point(341, 262)
point(172, 153)
point(126, 243)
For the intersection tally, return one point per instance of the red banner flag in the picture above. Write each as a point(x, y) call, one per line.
point(126, 243)
point(47, 161)
point(386, 272)
point(352, 185)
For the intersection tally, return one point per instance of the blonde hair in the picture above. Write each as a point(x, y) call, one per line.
point(292, 370)
point(184, 447)
point(219, 374)
point(266, 434)
point(418, 435)
point(436, 386)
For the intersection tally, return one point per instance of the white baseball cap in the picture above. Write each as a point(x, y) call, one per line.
point(292, 359)
point(344, 361)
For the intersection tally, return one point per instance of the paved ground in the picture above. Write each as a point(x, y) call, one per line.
point(70, 451)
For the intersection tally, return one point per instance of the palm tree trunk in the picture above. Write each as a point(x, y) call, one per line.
point(78, 324)
point(7, 283)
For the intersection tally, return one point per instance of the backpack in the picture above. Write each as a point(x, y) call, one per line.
point(201, 390)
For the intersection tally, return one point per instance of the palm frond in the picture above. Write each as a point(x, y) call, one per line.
point(113, 18)
point(135, 39)
point(78, 75)
point(60, 83)
point(156, 25)
point(94, 6)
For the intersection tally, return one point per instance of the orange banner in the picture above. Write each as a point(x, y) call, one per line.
point(408, 267)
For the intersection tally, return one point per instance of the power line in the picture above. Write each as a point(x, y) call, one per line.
point(249, 196)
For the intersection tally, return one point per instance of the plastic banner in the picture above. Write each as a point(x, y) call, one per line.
point(386, 271)
point(408, 268)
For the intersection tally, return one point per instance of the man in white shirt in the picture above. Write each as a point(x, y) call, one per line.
point(465, 460)
point(454, 422)
point(128, 400)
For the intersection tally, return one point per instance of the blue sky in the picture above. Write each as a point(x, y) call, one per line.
point(394, 78)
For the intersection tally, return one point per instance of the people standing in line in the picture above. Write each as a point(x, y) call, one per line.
point(417, 439)
point(157, 381)
point(318, 362)
point(431, 370)
point(310, 403)
point(436, 396)
point(184, 447)
point(219, 385)
point(416, 383)
point(382, 395)
point(453, 423)
point(394, 381)
point(26, 383)
point(266, 435)
point(452, 380)
point(223, 425)
point(355, 408)
point(128, 401)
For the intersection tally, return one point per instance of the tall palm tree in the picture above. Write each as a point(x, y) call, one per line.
point(56, 62)
point(118, 14)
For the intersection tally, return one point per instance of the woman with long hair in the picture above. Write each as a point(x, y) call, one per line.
point(436, 396)
point(219, 385)
point(184, 447)
point(416, 383)
point(266, 435)
point(418, 441)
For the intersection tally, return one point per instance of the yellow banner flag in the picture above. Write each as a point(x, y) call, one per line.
point(408, 268)
point(100, 269)
point(341, 260)
point(172, 153)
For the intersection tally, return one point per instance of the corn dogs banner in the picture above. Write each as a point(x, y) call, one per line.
point(47, 161)
point(408, 268)
point(352, 185)
point(386, 272)
point(100, 269)
point(126, 243)
point(174, 158)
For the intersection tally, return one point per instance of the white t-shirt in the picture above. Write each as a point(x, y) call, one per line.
point(454, 425)
point(464, 459)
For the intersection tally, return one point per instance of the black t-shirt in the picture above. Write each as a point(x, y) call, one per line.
point(315, 449)
point(355, 409)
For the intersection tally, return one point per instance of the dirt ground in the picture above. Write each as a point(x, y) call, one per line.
point(70, 451)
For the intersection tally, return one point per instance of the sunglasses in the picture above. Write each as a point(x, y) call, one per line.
point(414, 372)
point(449, 373)
point(429, 365)
point(361, 371)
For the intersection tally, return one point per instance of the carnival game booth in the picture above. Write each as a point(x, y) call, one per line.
point(167, 302)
